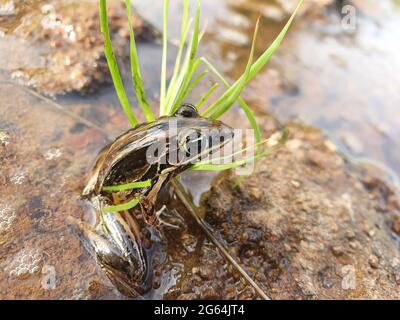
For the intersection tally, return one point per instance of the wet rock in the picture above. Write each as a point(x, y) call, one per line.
point(7, 216)
point(396, 224)
point(24, 263)
point(70, 44)
point(397, 278)
point(37, 251)
point(4, 138)
point(186, 286)
point(206, 272)
point(326, 282)
point(329, 234)
point(209, 294)
point(247, 294)
point(188, 296)
point(373, 261)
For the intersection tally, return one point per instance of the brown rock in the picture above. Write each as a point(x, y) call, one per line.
point(208, 294)
point(396, 224)
point(373, 261)
point(325, 225)
point(71, 44)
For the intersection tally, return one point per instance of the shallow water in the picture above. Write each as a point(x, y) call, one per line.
point(345, 83)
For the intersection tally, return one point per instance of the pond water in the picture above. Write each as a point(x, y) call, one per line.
point(342, 81)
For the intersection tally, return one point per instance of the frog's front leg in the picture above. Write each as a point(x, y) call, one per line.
point(119, 252)
point(161, 217)
point(148, 202)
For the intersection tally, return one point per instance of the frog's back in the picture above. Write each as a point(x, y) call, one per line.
point(132, 143)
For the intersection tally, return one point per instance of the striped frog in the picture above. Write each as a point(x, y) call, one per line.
point(152, 153)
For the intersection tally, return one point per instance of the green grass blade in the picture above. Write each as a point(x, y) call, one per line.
point(264, 58)
point(206, 96)
point(128, 186)
point(193, 85)
point(164, 60)
point(113, 65)
point(122, 207)
point(176, 78)
point(222, 104)
point(178, 74)
point(189, 67)
point(187, 87)
point(184, 31)
point(195, 39)
point(176, 87)
point(242, 103)
point(193, 61)
point(135, 69)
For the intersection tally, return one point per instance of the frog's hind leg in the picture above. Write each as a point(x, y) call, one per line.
point(171, 218)
point(148, 202)
point(89, 236)
point(163, 222)
point(108, 256)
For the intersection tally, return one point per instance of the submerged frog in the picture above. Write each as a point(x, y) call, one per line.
point(116, 240)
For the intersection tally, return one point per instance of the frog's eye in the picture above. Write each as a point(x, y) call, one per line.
point(187, 111)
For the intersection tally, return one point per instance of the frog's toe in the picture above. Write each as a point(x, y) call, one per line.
point(165, 218)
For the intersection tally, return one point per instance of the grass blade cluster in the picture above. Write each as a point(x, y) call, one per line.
point(135, 69)
point(222, 104)
point(185, 78)
point(113, 65)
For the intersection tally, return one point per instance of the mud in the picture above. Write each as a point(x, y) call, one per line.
point(68, 43)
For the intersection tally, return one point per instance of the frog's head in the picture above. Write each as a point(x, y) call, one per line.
point(194, 137)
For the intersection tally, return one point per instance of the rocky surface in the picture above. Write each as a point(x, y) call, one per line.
point(307, 225)
point(68, 42)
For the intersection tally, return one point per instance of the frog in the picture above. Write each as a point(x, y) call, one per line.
point(142, 153)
